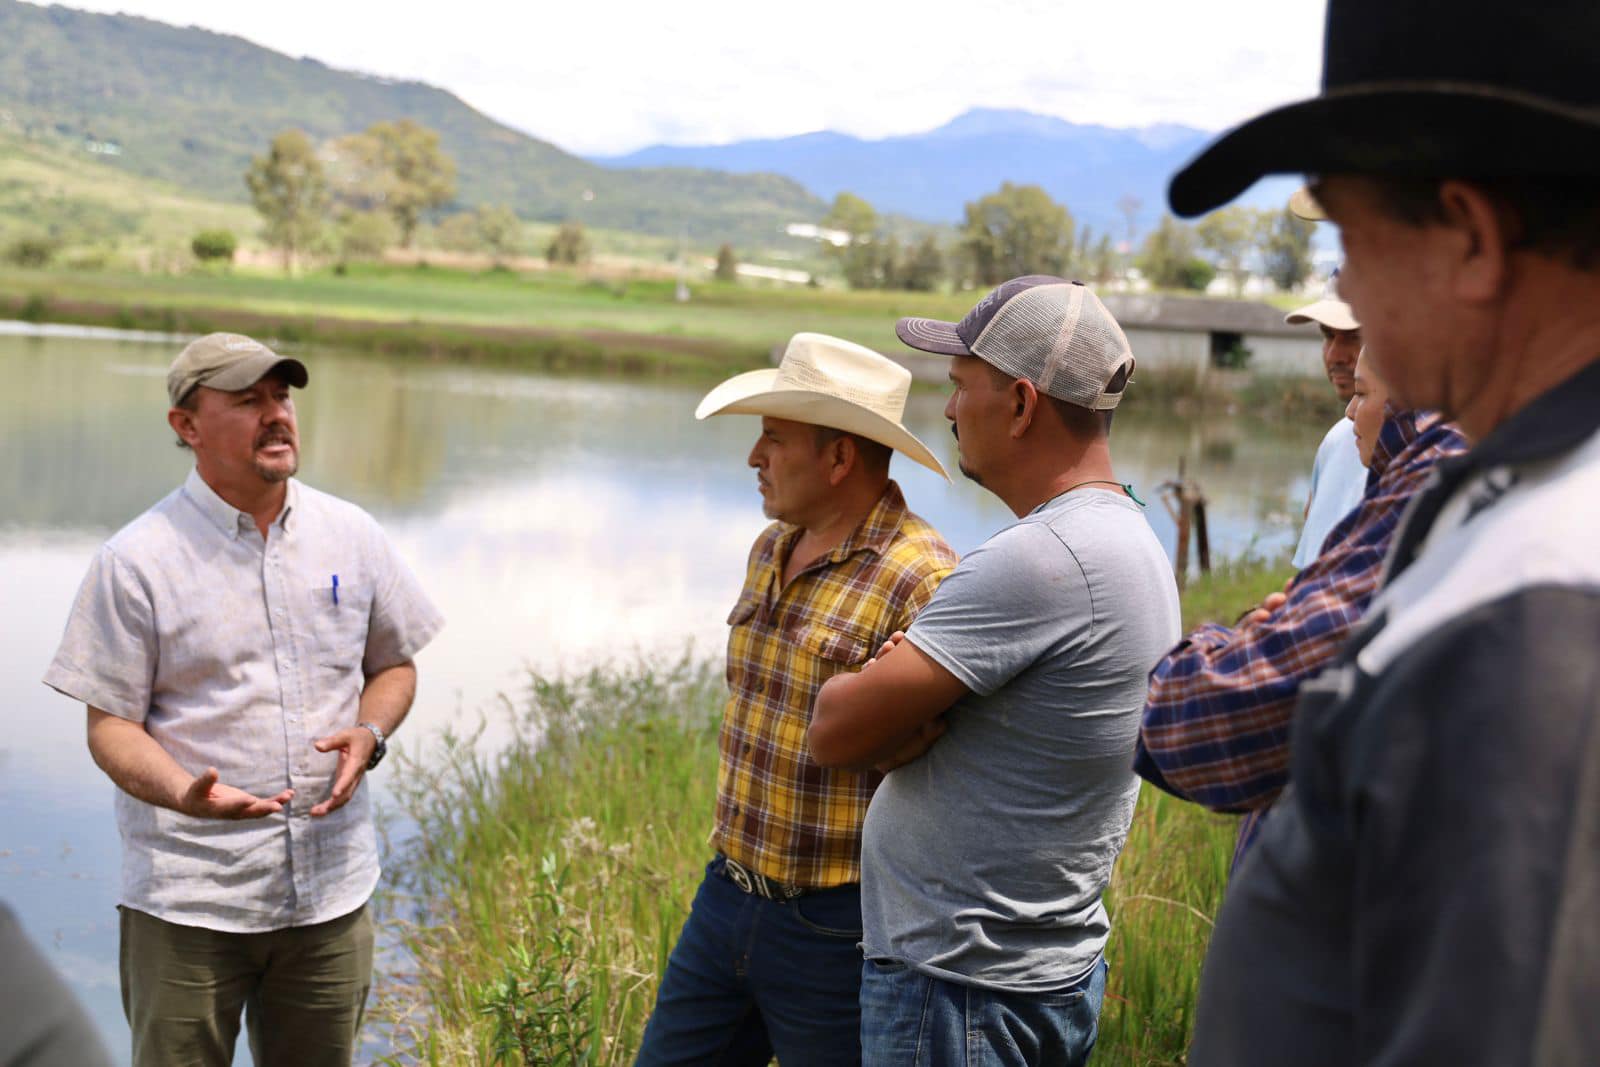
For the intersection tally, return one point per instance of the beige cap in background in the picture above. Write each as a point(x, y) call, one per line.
point(229, 362)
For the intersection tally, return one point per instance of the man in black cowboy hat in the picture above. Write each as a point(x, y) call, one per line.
point(1429, 890)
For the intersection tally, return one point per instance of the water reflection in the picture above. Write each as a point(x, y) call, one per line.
point(556, 521)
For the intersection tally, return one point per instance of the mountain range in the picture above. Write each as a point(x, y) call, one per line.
point(931, 175)
point(189, 107)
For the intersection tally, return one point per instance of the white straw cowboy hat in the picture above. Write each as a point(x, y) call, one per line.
point(826, 381)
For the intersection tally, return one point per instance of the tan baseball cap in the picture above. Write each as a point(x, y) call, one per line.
point(229, 362)
point(1302, 204)
point(1330, 311)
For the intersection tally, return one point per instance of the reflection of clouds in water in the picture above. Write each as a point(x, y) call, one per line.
point(565, 573)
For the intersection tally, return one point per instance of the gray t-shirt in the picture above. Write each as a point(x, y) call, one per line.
point(983, 861)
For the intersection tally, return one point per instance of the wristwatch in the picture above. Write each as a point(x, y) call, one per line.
point(383, 746)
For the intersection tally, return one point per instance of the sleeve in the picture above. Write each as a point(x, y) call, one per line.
point(1471, 797)
point(924, 581)
point(403, 620)
point(1216, 720)
point(1016, 597)
point(108, 653)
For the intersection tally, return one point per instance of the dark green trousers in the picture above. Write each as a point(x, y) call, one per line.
point(302, 990)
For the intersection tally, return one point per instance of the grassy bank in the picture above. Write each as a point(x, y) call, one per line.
point(545, 320)
point(545, 885)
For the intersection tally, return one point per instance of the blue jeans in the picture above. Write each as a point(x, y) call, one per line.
point(910, 1019)
point(750, 977)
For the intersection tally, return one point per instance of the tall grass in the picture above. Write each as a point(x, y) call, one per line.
point(544, 885)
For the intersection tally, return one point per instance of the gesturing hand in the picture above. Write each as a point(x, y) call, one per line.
point(208, 798)
point(355, 746)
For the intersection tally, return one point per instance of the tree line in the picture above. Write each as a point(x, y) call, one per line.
point(1020, 229)
point(357, 195)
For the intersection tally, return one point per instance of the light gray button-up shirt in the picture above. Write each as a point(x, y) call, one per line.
point(236, 652)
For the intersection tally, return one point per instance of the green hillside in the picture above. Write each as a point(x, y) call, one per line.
point(190, 107)
point(84, 205)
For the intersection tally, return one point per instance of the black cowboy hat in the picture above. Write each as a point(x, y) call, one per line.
point(1428, 88)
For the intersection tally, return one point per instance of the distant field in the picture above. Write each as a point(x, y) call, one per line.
point(747, 316)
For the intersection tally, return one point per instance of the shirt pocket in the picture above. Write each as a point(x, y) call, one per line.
point(338, 626)
point(838, 648)
point(745, 609)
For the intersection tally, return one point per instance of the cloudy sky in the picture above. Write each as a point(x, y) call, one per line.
point(608, 77)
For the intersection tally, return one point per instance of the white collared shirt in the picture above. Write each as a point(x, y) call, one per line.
point(236, 652)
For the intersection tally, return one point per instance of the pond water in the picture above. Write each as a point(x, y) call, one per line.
point(557, 522)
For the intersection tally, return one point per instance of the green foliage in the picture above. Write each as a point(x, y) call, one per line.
point(365, 235)
point(290, 191)
point(32, 252)
point(852, 215)
point(923, 268)
point(727, 264)
point(1014, 231)
point(420, 175)
point(210, 246)
point(1169, 260)
point(861, 258)
point(570, 245)
point(1286, 248)
point(499, 231)
point(537, 1006)
point(1229, 234)
point(556, 873)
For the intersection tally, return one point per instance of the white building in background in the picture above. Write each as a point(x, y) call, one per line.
point(813, 232)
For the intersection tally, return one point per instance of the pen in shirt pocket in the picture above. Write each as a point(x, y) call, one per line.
point(335, 590)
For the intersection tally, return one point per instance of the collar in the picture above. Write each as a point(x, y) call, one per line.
point(872, 534)
point(223, 515)
point(1554, 423)
point(1399, 429)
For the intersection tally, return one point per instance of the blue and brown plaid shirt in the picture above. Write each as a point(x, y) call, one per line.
point(1216, 719)
point(778, 812)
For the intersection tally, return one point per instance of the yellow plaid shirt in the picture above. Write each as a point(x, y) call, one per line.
point(779, 813)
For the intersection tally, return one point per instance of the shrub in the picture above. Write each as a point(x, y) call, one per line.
point(31, 252)
point(213, 245)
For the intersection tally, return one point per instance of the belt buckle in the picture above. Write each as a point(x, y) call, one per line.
point(738, 876)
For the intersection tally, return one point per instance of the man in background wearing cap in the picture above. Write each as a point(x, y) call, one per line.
point(984, 858)
point(244, 647)
point(1428, 892)
point(1337, 476)
point(767, 961)
point(1217, 716)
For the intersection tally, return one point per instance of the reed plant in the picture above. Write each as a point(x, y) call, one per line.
point(540, 886)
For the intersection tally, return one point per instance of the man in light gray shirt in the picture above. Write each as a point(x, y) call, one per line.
point(985, 854)
point(244, 648)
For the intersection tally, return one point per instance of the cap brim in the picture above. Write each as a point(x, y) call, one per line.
point(1414, 130)
point(247, 372)
point(752, 394)
point(931, 335)
point(1334, 314)
point(1303, 205)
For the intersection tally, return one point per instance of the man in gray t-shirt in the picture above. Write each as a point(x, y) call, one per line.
point(985, 854)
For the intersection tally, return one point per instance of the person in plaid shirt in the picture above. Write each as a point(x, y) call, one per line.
point(767, 961)
point(1216, 721)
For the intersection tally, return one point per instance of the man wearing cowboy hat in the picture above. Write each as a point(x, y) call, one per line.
point(767, 961)
point(1429, 889)
point(984, 860)
point(1338, 477)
